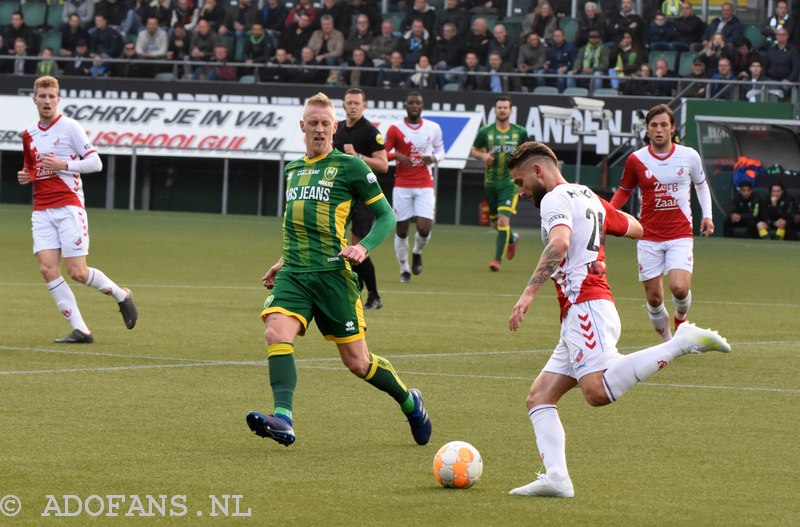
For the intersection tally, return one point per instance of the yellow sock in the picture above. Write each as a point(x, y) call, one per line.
point(763, 233)
point(780, 233)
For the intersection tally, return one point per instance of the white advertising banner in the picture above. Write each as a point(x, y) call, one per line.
point(241, 131)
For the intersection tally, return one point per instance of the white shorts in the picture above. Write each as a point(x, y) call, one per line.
point(410, 202)
point(588, 341)
point(65, 228)
point(659, 258)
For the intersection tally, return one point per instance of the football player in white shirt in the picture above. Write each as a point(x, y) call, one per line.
point(665, 172)
point(574, 224)
point(56, 153)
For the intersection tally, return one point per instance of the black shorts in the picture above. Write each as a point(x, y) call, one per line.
point(361, 221)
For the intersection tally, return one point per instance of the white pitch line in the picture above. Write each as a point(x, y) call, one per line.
point(99, 354)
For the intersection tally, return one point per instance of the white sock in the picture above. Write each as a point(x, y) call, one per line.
point(551, 440)
point(420, 242)
point(401, 251)
point(102, 283)
point(66, 303)
point(682, 306)
point(638, 366)
point(660, 320)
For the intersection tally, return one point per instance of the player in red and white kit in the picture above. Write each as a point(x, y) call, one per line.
point(416, 144)
point(574, 225)
point(56, 153)
point(664, 172)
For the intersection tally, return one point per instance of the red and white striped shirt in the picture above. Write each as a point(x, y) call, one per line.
point(415, 142)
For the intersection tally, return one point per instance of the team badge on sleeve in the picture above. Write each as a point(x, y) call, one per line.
point(379, 139)
point(371, 178)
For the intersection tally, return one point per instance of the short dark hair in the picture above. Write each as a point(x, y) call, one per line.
point(414, 94)
point(658, 109)
point(503, 97)
point(528, 150)
point(356, 91)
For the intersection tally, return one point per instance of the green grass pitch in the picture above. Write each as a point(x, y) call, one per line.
point(711, 440)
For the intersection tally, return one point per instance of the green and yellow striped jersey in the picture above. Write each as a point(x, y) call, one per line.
point(320, 194)
point(500, 143)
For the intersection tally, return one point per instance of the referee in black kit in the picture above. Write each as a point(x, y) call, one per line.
point(358, 137)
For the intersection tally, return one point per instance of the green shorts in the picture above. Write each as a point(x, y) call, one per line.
point(502, 200)
point(331, 297)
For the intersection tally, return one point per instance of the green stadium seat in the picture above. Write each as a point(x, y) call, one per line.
point(164, 76)
point(238, 54)
point(54, 12)
point(395, 18)
point(576, 91)
point(570, 28)
point(35, 14)
point(247, 79)
point(545, 90)
point(753, 34)
point(685, 63)
point(450, 86)
point(52, 39)
point(670, 56)
point(6, 8)
point(514, 30)
point(606, 92)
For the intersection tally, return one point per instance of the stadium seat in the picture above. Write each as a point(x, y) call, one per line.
point(52, 39)
point(396, 19)
point(545, 89)
point(450, 86)
point(753, 34)
point(606, 92)
point(164, 76)
point(6, 8)
point(54, 12)
point(238, 54)
point(685, 63)
point(576, 91)
point(35, 14)
point(569, 26)
point(514, 29)
point(247, 79)
point(670, 56)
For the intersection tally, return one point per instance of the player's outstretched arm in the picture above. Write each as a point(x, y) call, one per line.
point(552, 255)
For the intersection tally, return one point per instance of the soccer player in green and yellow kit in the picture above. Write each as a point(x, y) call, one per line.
point(492, 145)
point(314, 276)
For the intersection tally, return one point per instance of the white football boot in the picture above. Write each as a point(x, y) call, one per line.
point(546, 487)
point(698, 340)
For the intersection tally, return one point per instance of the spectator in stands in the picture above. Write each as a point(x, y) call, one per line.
point(420, 11)
point(662, 32)
point(719, 90)
point(295, 37)
point(448, 52)
point(640, 83)
point(131, 68)
point(486, 7)
point(202, 45)
point(214, 13)
point(560, 59)
point(47, 65)
point(715, 49)
point(626, 59)
point(757, 90)
point(3, 54)
point(274, 16)
point(663, 81)
point(135, 17)
point(417, 42)
point(780, 19)
point(542, 21)
point(303, 6)
point(114, 11)
point(335, 9)
point(531, 60)
point(81, 63)
point(626, 19)
point(692, 86)
point(185, 13)
point(162, 11)
point(743, 57)
point(258, 48)
point(152, 42)
point(20, 61)
point(455, 14)
point(689, 29)
point(220, 70)
point(499, 80)
point(592, 18)
point(471, 79)
point(384, 44)
point(179, 48)
point(478, 39)
point(104, 42)
point(726, 23)
point(239, 19)
point(357, 78)
point(70, 35)
point(783, 60)
point(777, 213)
point(507, 48)
point(592, 59)
point(279, 68)
point(327, 42)
point(422, 77)
point(391, 75)
point(361, 38)
point(744, 211)
point(353, 9)
point(83, 8)
point(307, 71)
point(19, 29)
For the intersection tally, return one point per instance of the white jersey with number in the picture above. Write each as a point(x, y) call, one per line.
point(65, 138)
point(581, 276)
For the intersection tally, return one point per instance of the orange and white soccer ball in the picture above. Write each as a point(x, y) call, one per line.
point(457, 464)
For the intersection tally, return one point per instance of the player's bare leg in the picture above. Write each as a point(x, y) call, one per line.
point(659, 317)
point(680, 283)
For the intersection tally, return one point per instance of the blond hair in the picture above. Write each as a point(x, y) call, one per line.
point(46, 82)
point(320, 100)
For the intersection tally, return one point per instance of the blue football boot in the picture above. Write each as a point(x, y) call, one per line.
point(275, 427)
point(418, 419)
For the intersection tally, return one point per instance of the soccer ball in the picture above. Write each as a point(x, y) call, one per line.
point(457, 464)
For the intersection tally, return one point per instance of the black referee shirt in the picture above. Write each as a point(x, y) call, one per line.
point(363, 135)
